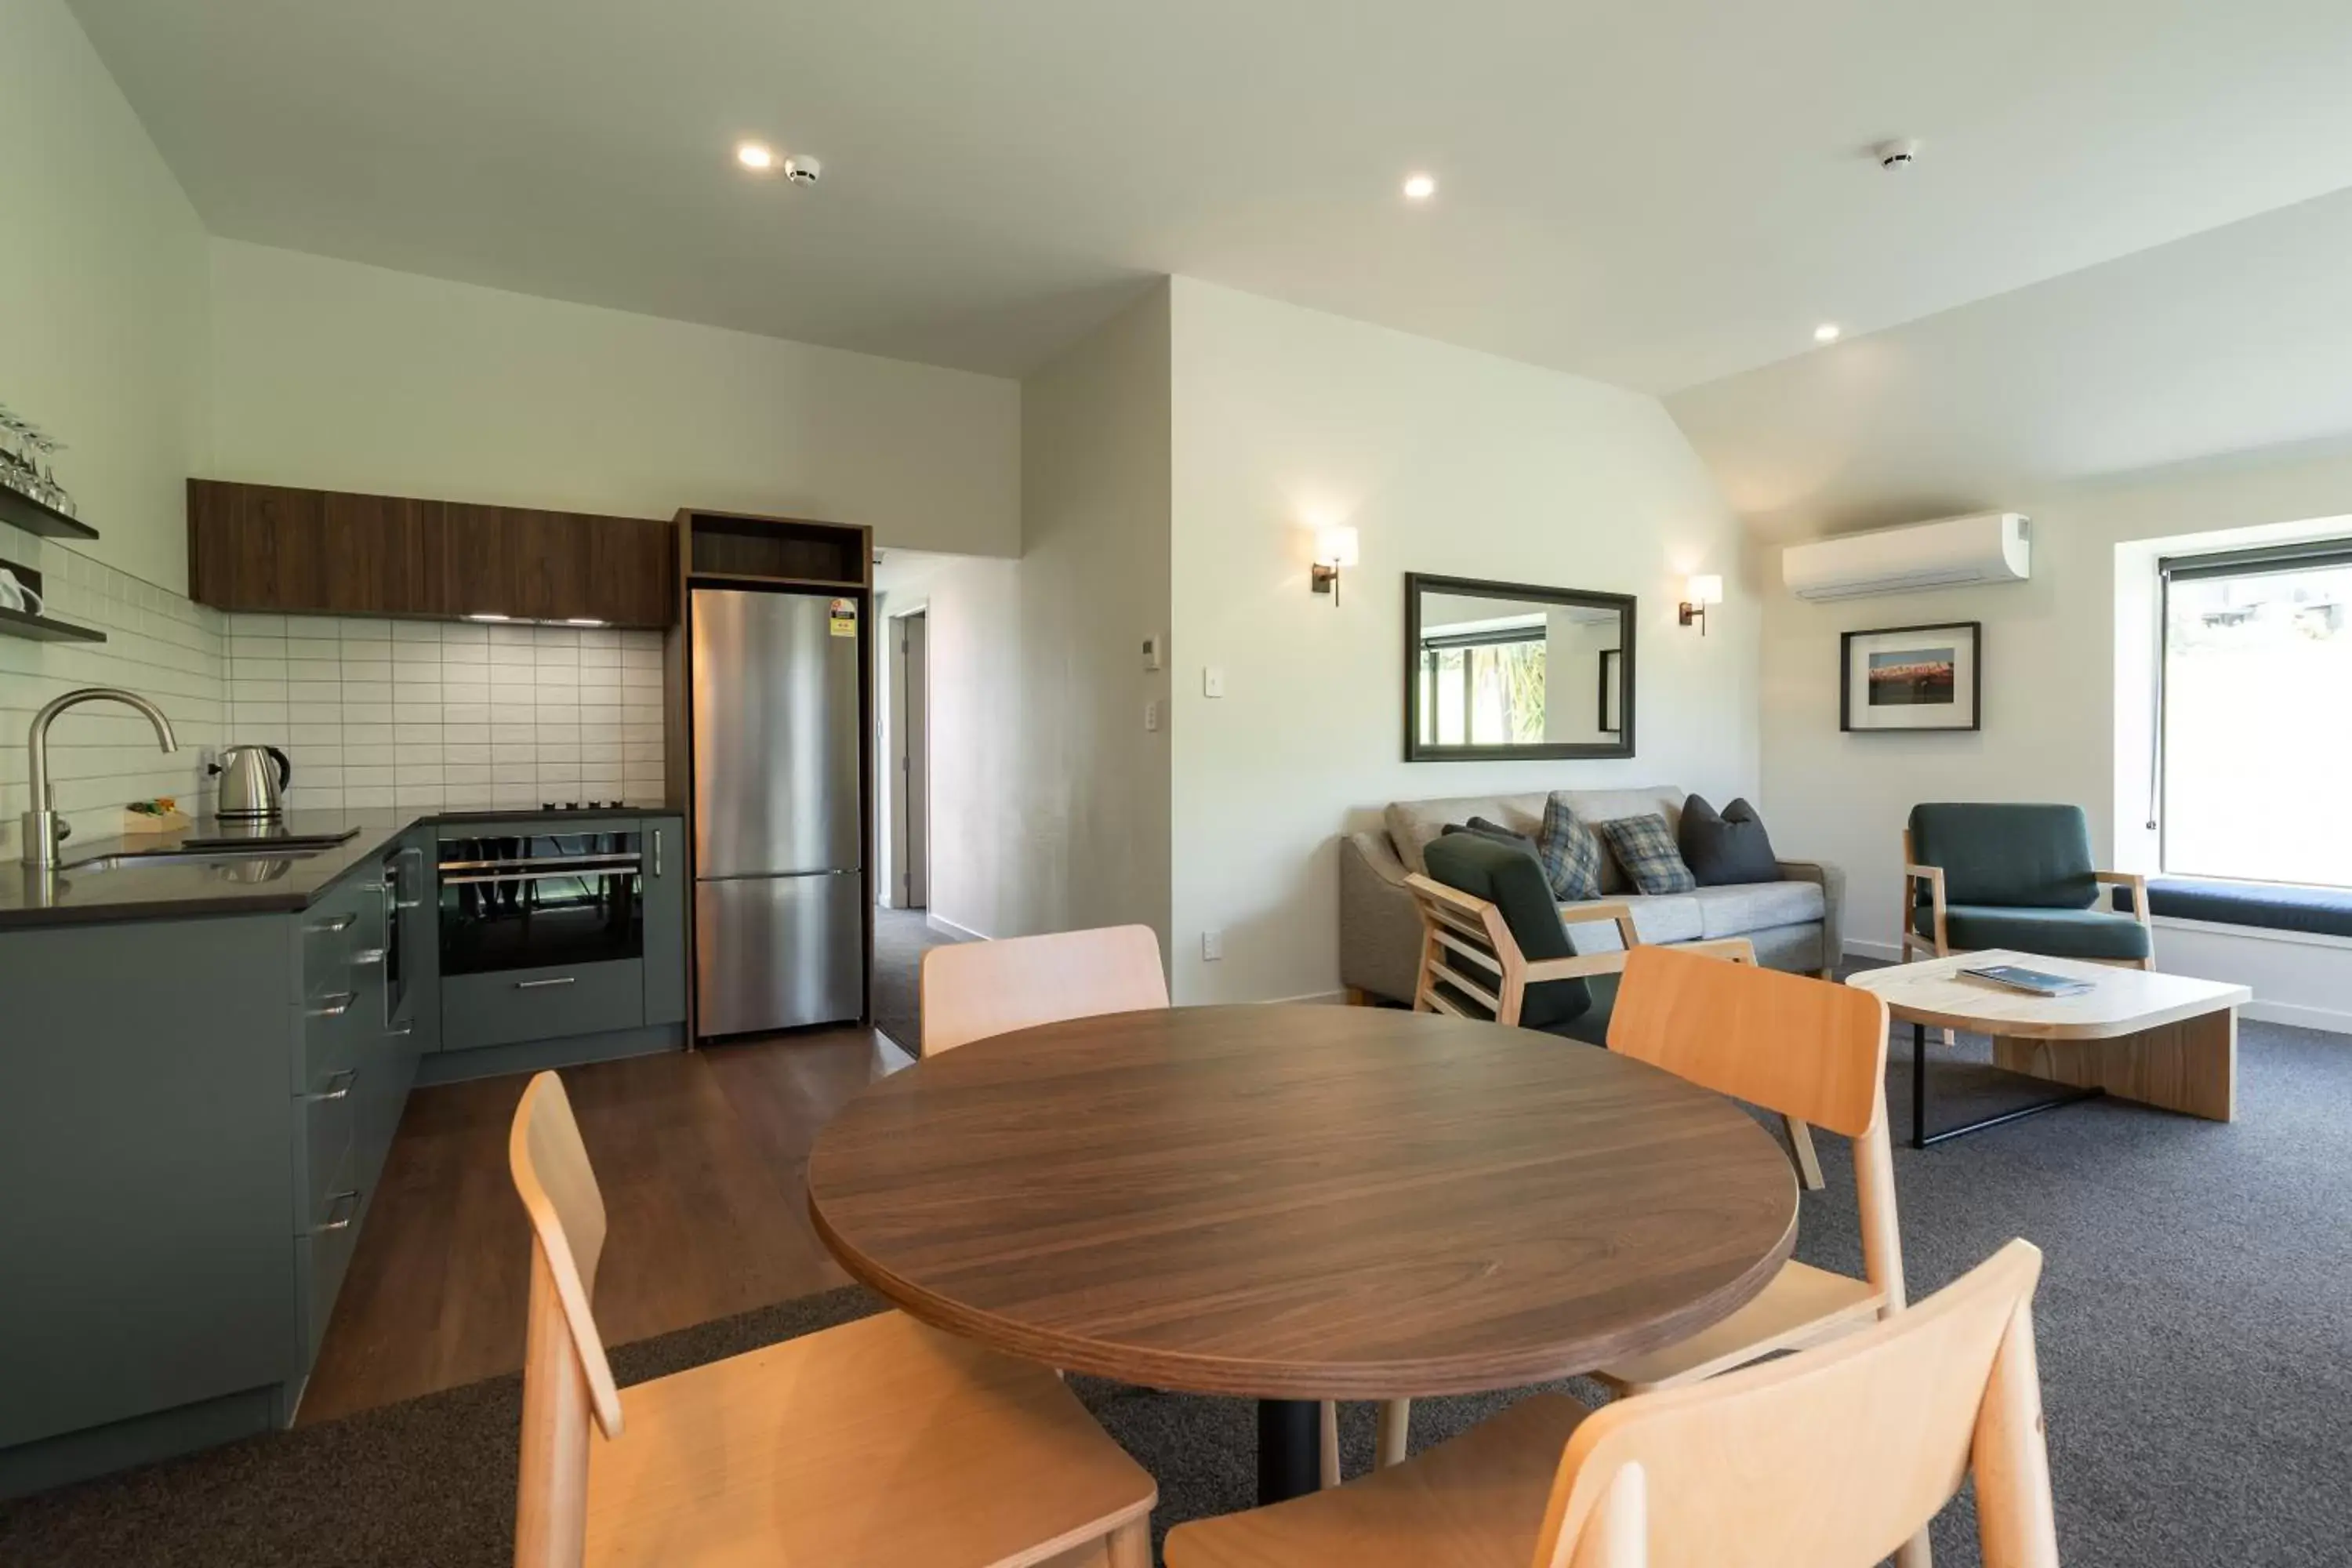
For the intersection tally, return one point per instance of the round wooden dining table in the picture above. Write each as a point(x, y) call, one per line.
point(1300, 1202)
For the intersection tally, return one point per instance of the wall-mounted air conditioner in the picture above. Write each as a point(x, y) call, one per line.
point(1959, 551)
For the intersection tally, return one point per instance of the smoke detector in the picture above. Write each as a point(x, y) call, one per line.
point(803, 170)
point(1897, 154)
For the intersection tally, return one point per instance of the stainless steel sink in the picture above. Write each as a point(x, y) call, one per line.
point(131, 860)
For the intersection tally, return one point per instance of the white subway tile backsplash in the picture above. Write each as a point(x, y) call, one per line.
point(420, 713)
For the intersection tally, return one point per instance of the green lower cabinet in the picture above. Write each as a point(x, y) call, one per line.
point(667, 874)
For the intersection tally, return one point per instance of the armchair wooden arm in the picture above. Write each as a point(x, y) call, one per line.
point(1592, 909)
point(1912, 873)
point(2136, 880)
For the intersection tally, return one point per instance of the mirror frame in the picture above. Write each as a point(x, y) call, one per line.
point(1418, 583)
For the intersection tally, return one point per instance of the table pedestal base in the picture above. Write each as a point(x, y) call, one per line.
point(2191, 1066)
point(1289, 1448)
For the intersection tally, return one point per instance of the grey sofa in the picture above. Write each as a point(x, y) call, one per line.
point(1793, 923)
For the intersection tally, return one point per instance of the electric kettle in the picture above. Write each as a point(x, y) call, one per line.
point(253, 781)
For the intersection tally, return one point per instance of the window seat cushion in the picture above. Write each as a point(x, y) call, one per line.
point(2324, 911)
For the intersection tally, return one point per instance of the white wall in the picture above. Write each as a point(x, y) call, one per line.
point(1446, 461)
point(103, 262)
point(2053, 727)
point(336, 375)
point(1083, 834)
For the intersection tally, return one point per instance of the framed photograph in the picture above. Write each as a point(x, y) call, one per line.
point(1912, 677)
point(1612, 701)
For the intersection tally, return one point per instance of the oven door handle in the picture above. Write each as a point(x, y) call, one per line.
point(588, 873)
point(547, 862)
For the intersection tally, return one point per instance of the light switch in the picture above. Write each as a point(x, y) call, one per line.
point(1212, 946)
point(1151, 715)
point(1213, 681)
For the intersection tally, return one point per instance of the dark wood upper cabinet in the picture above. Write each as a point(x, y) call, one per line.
point(265, 547)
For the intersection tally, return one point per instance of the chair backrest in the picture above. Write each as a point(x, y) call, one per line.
point(2008, 856)
point(1510, 881)
point(1831, 1458)
point(975, 989)
point(565, 1377)
point(1808, 1049)
point(1805, 1047)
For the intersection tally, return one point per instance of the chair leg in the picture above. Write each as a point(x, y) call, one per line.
point(1330, 1457)
point(1396, 1423)
point(1130, 1544)
point(1800, 1149)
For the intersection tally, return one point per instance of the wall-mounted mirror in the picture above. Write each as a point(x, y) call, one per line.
point(1506, 670)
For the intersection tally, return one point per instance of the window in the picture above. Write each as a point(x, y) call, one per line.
point(2255, 715)
point(1483, 689)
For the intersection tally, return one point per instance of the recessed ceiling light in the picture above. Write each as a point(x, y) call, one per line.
point(755, 155)
point(1827, 332)
point(1420, 187)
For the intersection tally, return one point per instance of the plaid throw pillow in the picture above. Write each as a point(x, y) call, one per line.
point(1645, 847)
point(1571, 855)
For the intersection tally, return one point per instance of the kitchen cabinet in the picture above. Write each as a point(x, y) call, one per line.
point(301, 552)
point(195, 1116)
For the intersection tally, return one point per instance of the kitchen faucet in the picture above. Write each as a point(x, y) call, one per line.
point(42, 829)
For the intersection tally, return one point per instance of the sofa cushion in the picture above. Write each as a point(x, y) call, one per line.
point(2006, 856)
point(2052, 933)
point(1513, 881)
point(1756, 906)
point(1724, 848)
point(1412, 824)
point(1644, 846)
point(1495, 830)
point(1570, 853)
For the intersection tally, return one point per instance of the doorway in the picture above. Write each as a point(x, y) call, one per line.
point(910, 731)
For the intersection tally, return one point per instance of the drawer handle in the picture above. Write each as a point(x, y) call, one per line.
point(658, 854)
point(340, 1083)
point(407, 1028)
point(337, 1005)
point(341, 923)
point(350, 1214)
point(371, 956)
point(539, 984)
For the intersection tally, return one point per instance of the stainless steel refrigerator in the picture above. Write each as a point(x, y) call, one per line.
point(779, 889)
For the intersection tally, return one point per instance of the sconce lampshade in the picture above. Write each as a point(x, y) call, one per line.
point(1707, 590)
point(1335, 547)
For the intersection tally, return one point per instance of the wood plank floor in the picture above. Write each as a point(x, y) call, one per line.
point(701, 1157)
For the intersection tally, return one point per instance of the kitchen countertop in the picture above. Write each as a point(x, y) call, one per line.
point(261, 884)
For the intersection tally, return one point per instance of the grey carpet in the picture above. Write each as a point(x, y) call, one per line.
point(2195, 1339)
point(901, 937)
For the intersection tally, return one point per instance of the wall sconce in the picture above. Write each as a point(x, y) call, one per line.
point(1703, 592)
point(1334, 547)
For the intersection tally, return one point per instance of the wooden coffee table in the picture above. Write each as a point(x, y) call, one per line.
point(1294, 1203)
point(2164, 1040)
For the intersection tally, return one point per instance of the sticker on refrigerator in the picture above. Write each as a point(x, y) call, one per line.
point(843, 622)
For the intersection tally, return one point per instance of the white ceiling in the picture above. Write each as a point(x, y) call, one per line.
point(1655, 194)
point(2226, 343)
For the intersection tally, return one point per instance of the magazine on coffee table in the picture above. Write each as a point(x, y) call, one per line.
point(2039, 982)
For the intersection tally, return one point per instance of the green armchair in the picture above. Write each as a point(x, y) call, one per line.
point(2019, 877)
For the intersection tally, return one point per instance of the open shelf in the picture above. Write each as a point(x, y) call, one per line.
point(23, 511)
point(776, 551)
point(41, 628)
point(759, 580)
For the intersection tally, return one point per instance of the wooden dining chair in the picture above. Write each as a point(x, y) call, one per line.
point(971, 990)
point(1830, 1458)
point(1804, 1047)
point(881, 1441)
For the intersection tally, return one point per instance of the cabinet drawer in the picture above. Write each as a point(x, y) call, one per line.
point(324, 1165)
point(322, 1256)
point(520, 1004)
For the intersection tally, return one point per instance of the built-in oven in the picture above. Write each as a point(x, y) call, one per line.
point(534, 899)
